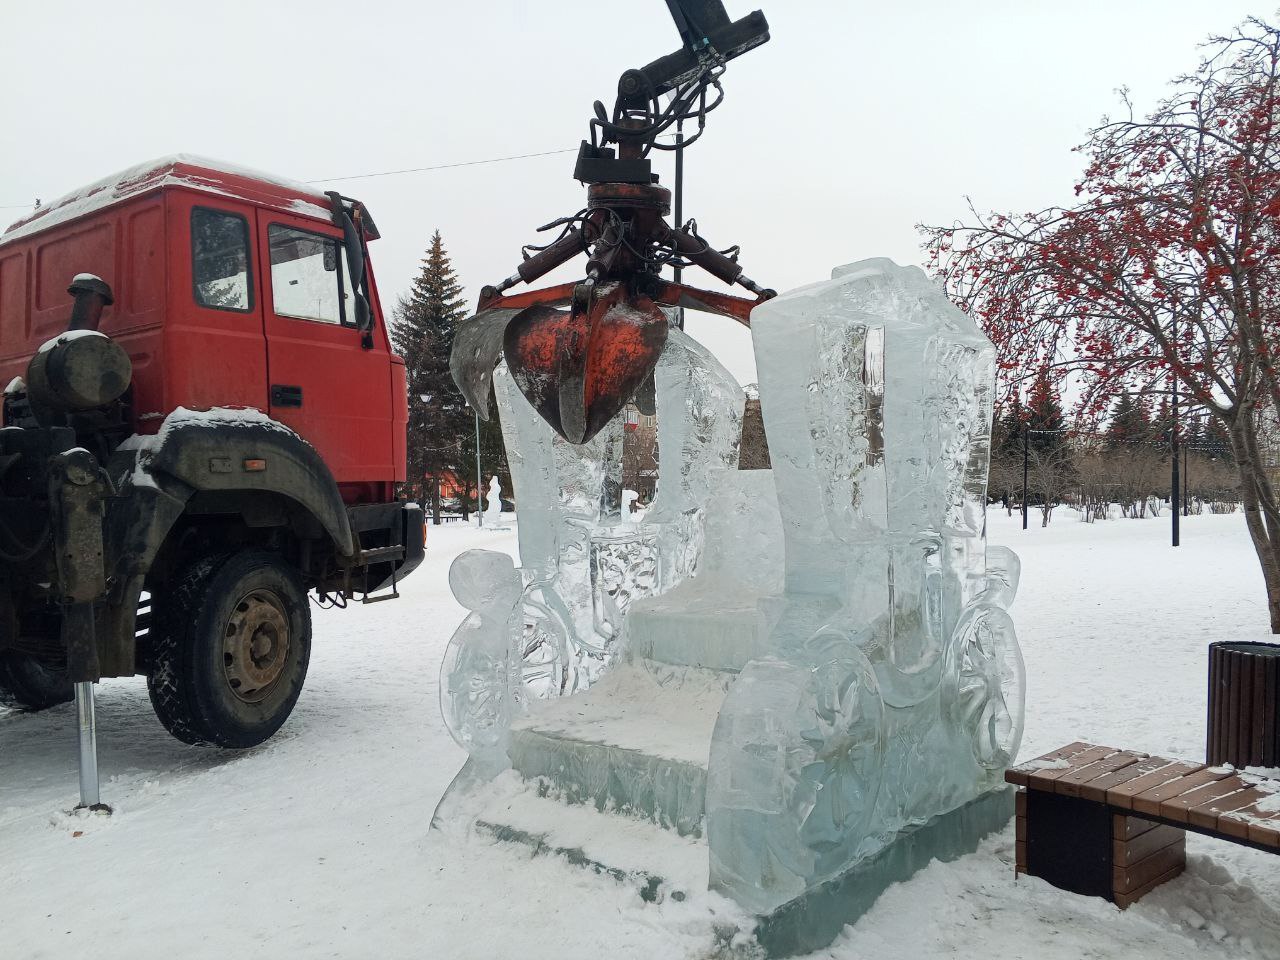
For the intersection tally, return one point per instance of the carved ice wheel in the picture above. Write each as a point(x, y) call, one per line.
point(984, 689)
point(491, 669)
point(803, 744)
point(542, 645)
point(910, 664)
point(474, 697)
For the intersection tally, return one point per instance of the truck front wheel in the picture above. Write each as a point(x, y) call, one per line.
point(231, 650)
point(28, 684)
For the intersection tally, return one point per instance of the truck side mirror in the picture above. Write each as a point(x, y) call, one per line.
point(355, 267)
point(354, 247)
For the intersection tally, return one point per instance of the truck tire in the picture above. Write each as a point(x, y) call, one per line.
point(28, 684)
point(231, 652)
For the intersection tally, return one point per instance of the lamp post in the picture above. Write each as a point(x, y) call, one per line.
point(1186, 472)
point(679, 205)
point(1174, 481)
point(479, 512)
point(1026, 462)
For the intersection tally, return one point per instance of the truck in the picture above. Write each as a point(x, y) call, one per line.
point(204, 432)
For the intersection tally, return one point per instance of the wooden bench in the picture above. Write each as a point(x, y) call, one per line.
point(1112, 823)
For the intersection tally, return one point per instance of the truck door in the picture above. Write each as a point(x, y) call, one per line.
point(322, 382)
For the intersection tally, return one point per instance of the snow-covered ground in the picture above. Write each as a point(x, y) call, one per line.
point(317, 843)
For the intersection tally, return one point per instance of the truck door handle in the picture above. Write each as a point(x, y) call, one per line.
point(285, 395)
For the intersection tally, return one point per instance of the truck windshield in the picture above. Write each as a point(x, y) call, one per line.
point(306, 275)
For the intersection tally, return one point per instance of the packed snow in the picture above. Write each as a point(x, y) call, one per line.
point(183, 169)
point(318, 843)
point(66, 337)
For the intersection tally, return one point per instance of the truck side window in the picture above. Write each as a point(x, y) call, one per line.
point(306, 278)
point(220, 260)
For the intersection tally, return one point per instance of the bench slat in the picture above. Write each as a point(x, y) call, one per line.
point(1070, 783)
point(1126, 900)
point(1128, 879)
point(1207, 816)
point(1018, 775)
point(1149, 801)
point(1096, 790)
point(1250, 823)
point(1184, 805)
point(1131, 852)
point(1122, 795)
point(1268, 832)
point(1047, 778)
point(1125, 826)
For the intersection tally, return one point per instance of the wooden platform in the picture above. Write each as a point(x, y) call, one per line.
point(1108, 822)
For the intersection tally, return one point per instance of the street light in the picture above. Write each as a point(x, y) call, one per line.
point(679, 204)
point(1026, 461)
point(479, 512)
point(1174, 482)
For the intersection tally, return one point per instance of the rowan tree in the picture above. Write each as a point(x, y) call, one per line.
point(1163, 271)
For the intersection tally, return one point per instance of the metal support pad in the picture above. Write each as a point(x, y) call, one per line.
point(87, 724)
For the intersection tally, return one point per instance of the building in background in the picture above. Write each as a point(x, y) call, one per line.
point(640, 454)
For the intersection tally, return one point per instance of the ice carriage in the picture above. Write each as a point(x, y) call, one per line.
point(805, 675)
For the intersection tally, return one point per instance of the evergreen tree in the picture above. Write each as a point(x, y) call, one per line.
point(1162, 424)
point(1129, 423)
point(1044, 415)
point(1216, 441)
point(1004, 477)
point(1006, 435)
point(422, 332)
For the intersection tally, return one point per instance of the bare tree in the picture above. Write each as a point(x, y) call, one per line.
point(1050, 478)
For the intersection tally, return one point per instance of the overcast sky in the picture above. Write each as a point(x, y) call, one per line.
point(854, 123)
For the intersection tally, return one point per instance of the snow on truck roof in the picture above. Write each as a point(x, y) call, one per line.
point(183, 170)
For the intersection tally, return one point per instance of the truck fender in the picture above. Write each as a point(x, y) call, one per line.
point(245, 450)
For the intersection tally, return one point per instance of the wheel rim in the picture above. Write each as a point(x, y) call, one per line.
point(255, 646)
point(985, 684)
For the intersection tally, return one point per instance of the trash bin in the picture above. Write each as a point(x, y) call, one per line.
point(1243, 728)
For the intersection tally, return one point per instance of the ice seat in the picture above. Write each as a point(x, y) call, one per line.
point(692, 626)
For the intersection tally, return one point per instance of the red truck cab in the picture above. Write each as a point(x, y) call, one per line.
point(232, 290)
point(250, 456)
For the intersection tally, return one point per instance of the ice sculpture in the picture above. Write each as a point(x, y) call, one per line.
point(511, 648)
point(493, 505)
point(629, 497)
point(896, 690)
point(810, 666)
point(583, 561)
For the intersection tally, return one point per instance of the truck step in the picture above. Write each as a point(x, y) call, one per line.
point(376, 554)
point(367, 558)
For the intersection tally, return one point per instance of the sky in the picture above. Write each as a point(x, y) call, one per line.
point(853, 124)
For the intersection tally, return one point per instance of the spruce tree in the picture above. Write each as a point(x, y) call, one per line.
point(422, 332)
point(1129, 423)
point(1044, 415)
point(1162, 424)
point(1006, 434)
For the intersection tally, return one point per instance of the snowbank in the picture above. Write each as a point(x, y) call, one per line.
point(317, 843)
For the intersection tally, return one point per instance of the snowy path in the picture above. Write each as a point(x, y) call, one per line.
point(317, 843)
